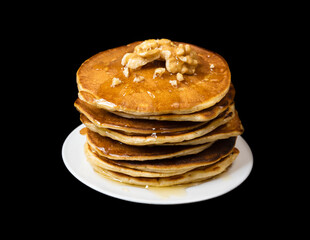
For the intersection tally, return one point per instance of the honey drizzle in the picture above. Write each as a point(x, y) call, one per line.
point(161, 192)
point(168, 192)
point(83, 131)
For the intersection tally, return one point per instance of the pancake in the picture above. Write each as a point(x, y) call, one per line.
point(104, 119)
point(155, 139)
point(232, 128)
point(201, 116)
point(112, 149)
point(209, 156)
point(195, 175)
point(103, 163)
point(201, 90)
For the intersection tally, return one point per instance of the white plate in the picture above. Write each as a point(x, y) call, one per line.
point(75, 161)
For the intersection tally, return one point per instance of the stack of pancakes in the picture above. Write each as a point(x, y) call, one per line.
point(153, 132)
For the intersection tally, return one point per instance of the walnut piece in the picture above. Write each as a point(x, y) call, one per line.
point(126, 72)
point(179, 59)
point(115, 82)
point(180, 77)
point(138, 79)
point(173, 83)
point(158, 72)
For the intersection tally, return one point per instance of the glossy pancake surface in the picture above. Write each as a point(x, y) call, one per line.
point(206, 87)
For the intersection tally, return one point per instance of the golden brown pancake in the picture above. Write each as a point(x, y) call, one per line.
point(104, 119)
point(159, 139)
point(112, 149)
point(209, 156)
point(158, 96)
point(103, 163)
point(201, 116)
point(195, 175)
point(232, 128)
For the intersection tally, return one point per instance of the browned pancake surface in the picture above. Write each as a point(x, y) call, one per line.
point(212, 154)
point(195, 175)
point(113, 149)
point(153, 96)
point(105, 119)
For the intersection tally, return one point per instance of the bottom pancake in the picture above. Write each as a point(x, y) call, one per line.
point(195, 175)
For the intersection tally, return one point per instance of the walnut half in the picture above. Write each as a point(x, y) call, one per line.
point(179, 59)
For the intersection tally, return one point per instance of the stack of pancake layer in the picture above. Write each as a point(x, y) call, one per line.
point(153, 132)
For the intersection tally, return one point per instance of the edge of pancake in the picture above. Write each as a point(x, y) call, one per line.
point(232, 128)
point(103, 119)
point(103, 163)
point(215, 153)
point(172, 151)
point(195, 175)
point(161, 139)
point(200, 116)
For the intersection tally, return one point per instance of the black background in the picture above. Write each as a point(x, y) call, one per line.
point(62, 44)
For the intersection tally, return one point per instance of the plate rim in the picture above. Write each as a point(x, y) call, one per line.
point(155, 201)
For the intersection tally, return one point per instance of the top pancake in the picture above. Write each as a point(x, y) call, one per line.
point(196, 92)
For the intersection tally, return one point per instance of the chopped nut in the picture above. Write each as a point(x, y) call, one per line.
point(138, 79)
point(165, 54)
point(184, 59)
point(184, 69)
point(180, 50)
point(126, 72)
point(115, 82)
point(173, 83)
point(158, 72)
point(188, 49)
point(137, 62)
point(126, 58)
point(180, 77)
